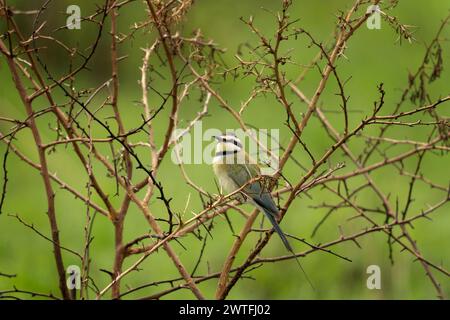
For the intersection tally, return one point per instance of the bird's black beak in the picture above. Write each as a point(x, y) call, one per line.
point(216, 137)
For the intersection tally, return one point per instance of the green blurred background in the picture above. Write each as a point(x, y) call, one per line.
point(373, 56)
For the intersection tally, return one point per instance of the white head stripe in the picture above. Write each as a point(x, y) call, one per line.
point(231, 139)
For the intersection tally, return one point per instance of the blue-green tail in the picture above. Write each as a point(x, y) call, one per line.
point(285, 241)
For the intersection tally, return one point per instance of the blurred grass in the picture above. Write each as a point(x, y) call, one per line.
point(373, 57)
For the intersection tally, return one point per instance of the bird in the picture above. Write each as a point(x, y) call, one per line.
point(236, 170)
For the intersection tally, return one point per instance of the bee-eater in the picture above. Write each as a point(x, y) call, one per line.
point(236, 170)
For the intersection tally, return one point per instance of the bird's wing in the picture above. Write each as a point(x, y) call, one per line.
point(242, 174)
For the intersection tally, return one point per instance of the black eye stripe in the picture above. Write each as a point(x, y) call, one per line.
point(233, 141)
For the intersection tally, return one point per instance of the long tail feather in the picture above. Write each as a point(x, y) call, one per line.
point(286, 243)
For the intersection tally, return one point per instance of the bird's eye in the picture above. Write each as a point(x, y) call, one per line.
point(235, 142)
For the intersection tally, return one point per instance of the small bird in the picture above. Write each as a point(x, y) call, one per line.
point(236, 170)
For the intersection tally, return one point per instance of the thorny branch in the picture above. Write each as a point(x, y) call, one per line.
point(92, 127)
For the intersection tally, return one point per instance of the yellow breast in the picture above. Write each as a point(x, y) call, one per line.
point(221, 172)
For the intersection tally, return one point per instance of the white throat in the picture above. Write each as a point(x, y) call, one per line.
point(227, 152)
